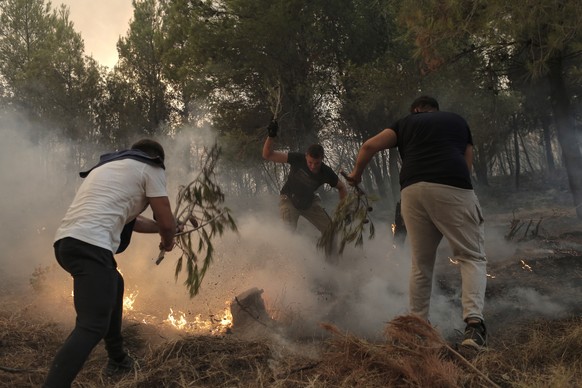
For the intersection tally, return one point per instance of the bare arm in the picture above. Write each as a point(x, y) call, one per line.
point(270, 154)
point(385, 139)
point(165, 221)
point(342, 190)
point(469, 157)
point(145, 225)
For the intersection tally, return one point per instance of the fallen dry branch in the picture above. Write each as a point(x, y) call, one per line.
point(412, 330)
point(414, 355)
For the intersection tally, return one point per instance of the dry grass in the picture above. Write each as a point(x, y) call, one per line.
point(413, 355)
point(541, 354)
point(524, 351)
point(24, 345)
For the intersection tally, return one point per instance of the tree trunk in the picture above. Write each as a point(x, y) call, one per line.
point(566, 129)
point(526, 154)
point(480, 166)
point(393, 157)
point(516, 152)
point(378, 178)
point(548, 144)
point(507, 155)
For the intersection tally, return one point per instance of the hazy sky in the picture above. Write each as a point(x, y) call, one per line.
point(100, 23)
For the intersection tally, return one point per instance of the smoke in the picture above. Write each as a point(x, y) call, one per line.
point(532, 301)
point(300, 289)
point(365, 290)
point(368, 287)
point(34, 195)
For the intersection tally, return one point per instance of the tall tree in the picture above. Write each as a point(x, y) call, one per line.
point(26, 27)
point(536, 38)
point(236, 57)
point(372, 78)
point(46, 73)
point(140, 64)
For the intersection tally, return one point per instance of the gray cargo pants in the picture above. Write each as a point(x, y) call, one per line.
point(431, 211)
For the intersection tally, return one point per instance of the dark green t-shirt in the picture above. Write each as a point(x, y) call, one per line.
point(302, 183)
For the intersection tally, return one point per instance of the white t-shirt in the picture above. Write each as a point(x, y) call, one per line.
point(112, 195)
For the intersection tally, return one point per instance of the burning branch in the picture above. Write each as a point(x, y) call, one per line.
point(200, 204)
point(349, 221)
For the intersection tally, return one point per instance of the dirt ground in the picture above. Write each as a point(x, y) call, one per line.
point(536, 327)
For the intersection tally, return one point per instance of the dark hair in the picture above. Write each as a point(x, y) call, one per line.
point(315, 151)
point(150, 147)
point(424, 103)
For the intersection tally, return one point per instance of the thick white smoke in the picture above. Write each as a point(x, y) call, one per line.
point(369, 286)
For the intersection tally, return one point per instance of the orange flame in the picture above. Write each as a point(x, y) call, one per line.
point(178, 321)
point(216, 324)
point(129, 300)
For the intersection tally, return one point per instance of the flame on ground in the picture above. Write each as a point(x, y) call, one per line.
point(129, 300)
point(526, 266)
point(215, 324)
point(178, 319)
point(456, 262)
point(219, 323)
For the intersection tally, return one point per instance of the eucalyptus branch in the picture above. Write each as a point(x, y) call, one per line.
point(200, 226)
point(201, 203)
point(349, 221)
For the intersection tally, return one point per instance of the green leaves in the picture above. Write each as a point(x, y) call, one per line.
point(202, 199)
point(349, 222)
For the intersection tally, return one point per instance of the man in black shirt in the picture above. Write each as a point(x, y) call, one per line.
point(437, 200)
point(307, 174)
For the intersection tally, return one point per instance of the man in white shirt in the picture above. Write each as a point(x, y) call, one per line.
point(111, 197)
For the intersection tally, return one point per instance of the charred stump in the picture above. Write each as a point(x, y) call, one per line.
point(249, 315)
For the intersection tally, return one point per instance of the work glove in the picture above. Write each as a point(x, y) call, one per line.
point(272, 128)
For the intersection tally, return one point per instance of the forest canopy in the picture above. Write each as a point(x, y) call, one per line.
point(335, 72)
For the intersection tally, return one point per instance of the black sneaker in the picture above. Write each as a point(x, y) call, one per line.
point(120, 367)
point(475, 335)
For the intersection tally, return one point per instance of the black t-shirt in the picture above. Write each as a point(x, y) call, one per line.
point(302, 183)
point(432, 147)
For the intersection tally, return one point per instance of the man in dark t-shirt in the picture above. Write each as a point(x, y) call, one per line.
point(437, 200)
point(307, 174)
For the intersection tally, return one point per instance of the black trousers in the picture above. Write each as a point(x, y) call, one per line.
point(98, 298)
